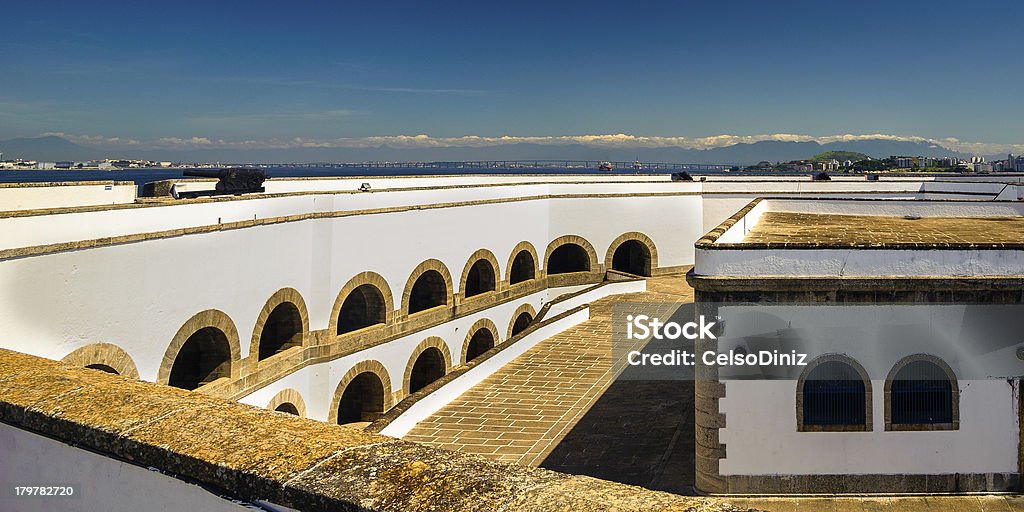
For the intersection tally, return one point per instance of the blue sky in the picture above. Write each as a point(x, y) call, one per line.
point(277, 72)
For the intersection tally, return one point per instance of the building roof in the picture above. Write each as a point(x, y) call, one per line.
point(787, 229)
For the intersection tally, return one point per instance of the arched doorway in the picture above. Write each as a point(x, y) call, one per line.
point(362, 400)
point(523, 268)
point(282, 330)
point(481, 341)
point(429, 366)
point(632, 257)
point(203, 358)
point(521, 322)
point(567, 258)
point(480, 278)
point(429, 291)
point(362, 308)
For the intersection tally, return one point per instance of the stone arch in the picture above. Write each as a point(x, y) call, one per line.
point(286, 397)
point(106, 355)
point(518, 270)
point(636, 250)
point(800, 395)
point(563, 244)
point(941, 368)
point(443, 362)
point(371, 407)
point(204, 324)
point(409, 298)
point(358, 285)
point(480, 275)
point(283, 323)
point(483, 325)
point(524, 309)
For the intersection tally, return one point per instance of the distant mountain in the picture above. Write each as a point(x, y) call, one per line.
point(56, 148)
point(49, 148)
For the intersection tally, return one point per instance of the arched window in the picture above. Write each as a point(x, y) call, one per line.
point(282, 330)
point(429, 366)
point(362, 400)
point(429, 291)
point(521, 323)
point(203, 358)
point(480, 278)
point(362, 308)
point(834, 395)
point(481, 341)
point(921, 394)
point(523, 268)
point(632, 257)
point(568, 257)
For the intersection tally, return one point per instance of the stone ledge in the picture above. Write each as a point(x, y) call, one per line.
point(252, 453)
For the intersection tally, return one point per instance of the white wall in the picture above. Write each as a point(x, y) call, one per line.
point(99, 482)
point(32, 196)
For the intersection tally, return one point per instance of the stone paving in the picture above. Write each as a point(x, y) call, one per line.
point(553, 407)
point(829, 229)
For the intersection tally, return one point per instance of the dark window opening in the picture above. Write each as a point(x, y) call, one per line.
point(282, 330)
point(568, 258)
point(362, 400)
point(429, 291)
point(288, 407)
point(480, 278)
point(482, 341)
point(523, 268)
point(921, 394)
point(521, 323)
point(632, 257)
point(362, 308)
point(834, 394)
point(204, 358)
point(429, 366)
point(102, 368)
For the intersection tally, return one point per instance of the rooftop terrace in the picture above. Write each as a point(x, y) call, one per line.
point(834, 230)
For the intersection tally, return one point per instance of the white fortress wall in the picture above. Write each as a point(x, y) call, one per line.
point(30, 196)
point(761, 435)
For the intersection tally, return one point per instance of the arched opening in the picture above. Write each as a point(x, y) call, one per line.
point(482, 341)
point(429, 366)
point(834, 396)
point(523, 268)
point(480, 278)
point(521, 323)
point(102, 368)
point(362, 308)
point(921, 393)
point(282, 330)
point(632, 257)
point(568, 257)
point(362, 400)
point(289, 408)
point(203, 358)
point(429, 291)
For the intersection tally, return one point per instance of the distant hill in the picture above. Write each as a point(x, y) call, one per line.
point(56, 148)
point(49, 148)
point(842, 156)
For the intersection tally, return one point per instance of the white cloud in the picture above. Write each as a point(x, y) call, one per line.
point(617, 140)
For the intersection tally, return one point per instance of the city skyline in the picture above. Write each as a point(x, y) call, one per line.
point(462, 75)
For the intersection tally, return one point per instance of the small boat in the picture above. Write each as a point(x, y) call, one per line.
point(605, 166)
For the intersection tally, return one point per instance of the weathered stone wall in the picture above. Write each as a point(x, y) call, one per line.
point(255, 454)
